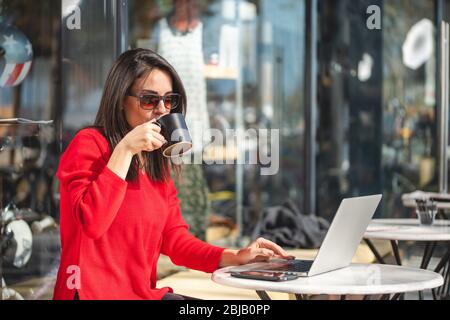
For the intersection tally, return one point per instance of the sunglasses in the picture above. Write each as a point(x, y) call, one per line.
point(150, 101)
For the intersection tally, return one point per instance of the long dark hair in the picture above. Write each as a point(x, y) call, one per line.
point(129, 67)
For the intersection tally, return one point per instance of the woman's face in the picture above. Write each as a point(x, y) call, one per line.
point(157, 82)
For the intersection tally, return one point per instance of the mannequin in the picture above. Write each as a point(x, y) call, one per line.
point(179, 38)
point(180, 41)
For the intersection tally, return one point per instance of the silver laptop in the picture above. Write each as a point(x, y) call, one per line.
point(339, 246)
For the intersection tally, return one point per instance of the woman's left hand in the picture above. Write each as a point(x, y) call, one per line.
point(258, 251)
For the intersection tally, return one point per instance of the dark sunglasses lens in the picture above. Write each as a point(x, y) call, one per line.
point(149, 101)
point(172, 101)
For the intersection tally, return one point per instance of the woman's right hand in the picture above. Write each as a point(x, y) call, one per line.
point(145, 137)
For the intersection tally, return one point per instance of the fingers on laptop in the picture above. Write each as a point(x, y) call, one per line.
point(279, 251)
point(263, 254)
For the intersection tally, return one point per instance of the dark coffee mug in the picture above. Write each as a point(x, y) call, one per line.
point(175, 131)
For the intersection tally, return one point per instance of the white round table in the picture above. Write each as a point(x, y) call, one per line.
point(396, 230)
point(408, 230)
point(442, 200)
point(357, 279)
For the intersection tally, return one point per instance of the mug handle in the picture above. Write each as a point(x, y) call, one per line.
point(158, 124)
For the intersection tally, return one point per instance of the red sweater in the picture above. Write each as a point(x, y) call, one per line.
point(113, 231)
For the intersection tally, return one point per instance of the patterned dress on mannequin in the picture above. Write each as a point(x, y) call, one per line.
point(185, 52)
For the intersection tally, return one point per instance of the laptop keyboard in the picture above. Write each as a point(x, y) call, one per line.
point(295, 266)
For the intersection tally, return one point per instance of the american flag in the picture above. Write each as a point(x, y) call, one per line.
point(16, 56)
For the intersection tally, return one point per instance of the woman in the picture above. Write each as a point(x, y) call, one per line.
point(119, 206)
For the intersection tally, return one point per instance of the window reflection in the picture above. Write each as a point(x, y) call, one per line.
point(378, 110)
point(242, 66)
point(29, 153)
point(87, 56)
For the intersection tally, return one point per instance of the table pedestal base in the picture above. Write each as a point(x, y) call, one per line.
point(443, 266)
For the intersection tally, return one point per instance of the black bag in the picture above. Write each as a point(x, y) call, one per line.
point(289, 228)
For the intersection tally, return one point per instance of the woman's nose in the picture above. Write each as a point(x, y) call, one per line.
point(161, 108)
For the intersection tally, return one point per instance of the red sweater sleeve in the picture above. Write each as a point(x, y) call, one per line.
point(182, 247)
point(95, 192)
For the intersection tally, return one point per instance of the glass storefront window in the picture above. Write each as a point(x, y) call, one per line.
point(242, 66)
point(87, 56)
point(409, 101)
point(377, 98)
point(29, 88)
